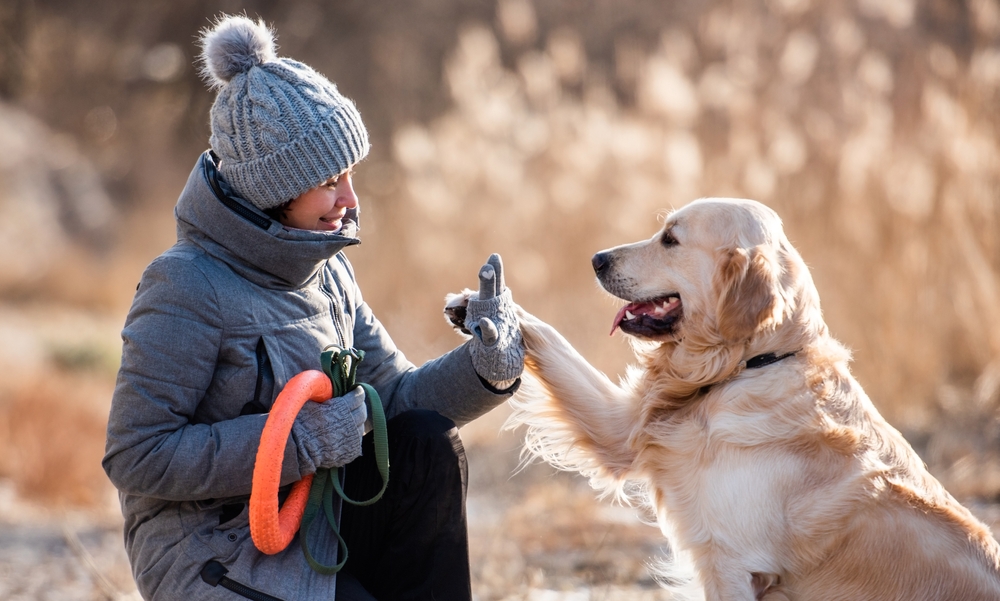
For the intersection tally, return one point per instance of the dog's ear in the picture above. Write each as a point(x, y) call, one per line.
point(747, 285)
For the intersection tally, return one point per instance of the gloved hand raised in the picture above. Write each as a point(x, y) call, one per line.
point(496, 348)
point(328, 434)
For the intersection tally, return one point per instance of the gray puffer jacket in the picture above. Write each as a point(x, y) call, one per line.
point(220, 322)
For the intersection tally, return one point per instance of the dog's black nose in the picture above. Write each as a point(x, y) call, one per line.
point(601, 261)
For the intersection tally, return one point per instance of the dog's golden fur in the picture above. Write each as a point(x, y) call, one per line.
point(781, 482)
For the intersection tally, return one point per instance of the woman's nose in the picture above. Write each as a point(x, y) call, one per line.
point(346, 197)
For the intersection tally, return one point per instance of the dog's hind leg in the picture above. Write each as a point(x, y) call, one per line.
point(767, 587)
point(731, 584)
point(579, 420)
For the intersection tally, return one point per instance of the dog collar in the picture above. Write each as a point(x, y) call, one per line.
point(751, 363)
point(766, 359)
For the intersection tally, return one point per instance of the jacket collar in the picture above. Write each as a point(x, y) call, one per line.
point(252, 244)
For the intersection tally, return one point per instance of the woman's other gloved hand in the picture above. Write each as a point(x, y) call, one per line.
point(328, 434)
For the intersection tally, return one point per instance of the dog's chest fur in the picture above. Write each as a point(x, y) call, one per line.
point(731, 469)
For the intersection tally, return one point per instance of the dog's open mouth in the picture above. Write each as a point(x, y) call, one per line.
point(651, 318)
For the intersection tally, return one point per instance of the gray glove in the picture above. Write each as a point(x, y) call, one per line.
point(496, 349)
point(328, 434)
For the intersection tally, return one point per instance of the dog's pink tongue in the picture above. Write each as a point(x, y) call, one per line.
point(633, 307)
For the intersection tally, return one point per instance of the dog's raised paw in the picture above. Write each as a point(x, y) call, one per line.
point(455, 307)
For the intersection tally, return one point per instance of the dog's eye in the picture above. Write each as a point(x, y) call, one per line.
point(668, 240)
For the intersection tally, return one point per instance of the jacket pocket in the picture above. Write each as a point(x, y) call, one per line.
point(229, 513)
point(263, 390)
point(214, 573)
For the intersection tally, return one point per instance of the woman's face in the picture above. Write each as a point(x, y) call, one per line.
point(323, 207)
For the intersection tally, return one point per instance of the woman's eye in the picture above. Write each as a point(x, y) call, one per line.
point(335, 181)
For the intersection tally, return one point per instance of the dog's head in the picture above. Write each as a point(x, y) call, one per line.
point(720, 270)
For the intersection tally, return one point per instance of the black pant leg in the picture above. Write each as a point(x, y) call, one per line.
point(349, 589)
point(413, 543)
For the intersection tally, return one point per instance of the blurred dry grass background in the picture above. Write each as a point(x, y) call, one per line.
point(543, 130)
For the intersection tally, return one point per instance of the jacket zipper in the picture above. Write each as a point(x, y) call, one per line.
point(214, 573)
point(334, 309)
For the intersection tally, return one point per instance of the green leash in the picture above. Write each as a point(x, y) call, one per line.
point(341, 366)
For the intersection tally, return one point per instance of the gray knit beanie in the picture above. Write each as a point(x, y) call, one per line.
point(279, 127)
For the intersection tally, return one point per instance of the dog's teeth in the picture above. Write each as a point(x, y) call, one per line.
point(628, 315)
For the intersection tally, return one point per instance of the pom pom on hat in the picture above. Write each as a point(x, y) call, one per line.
point(233, 46)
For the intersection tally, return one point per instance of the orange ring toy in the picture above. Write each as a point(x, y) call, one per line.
point(272, 530)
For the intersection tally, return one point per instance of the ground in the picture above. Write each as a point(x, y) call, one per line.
point(535, 535)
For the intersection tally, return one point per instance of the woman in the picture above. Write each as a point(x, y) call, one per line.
point(254, 289)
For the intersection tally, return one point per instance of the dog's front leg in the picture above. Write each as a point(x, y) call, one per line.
point(580, 420)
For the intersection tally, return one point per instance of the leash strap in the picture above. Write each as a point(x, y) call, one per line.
point(341, 366)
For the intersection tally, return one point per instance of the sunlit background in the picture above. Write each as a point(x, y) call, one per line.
point(544, 130)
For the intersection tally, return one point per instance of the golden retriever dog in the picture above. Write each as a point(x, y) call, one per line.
point(770, 471)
